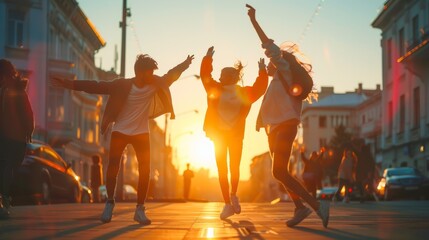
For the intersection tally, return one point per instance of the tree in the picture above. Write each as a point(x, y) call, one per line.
point(335, 150)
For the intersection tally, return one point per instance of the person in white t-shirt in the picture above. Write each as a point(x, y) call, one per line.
point(132, 102)
point(280, 115)
point(228, 105)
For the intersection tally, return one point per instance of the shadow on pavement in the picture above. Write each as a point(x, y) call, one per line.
point(245, 229)
point(335, 233)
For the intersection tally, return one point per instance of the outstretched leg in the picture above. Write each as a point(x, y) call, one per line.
point(281, 144)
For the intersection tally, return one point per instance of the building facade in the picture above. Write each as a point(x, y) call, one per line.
point(54, 38)
point(405, 61)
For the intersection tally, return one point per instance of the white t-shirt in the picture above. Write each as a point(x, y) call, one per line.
point(134, 116)
point(229, 107)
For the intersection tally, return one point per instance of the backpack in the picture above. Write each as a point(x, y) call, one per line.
point(302, 82)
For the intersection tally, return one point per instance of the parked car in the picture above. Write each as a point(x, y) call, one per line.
point(326, 193)
point(403, 182)
point(130, 193)
point(44, 177)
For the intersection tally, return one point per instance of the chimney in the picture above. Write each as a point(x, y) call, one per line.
point(359, 90)
point(378, 87)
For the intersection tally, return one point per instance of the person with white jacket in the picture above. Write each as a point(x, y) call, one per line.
point(280, 115)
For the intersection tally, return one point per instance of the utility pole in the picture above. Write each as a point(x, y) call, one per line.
point(125, 13)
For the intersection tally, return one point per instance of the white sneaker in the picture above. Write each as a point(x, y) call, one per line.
point(323, 212)
point(227, 211)
point(140, 215)
point(106, 216)
point(235, 204)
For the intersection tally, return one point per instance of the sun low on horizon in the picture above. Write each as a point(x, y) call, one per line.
point(197, 150)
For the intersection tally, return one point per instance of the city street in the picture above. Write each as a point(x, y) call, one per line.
point(370, 220)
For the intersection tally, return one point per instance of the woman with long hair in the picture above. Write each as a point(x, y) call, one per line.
point(280, 115)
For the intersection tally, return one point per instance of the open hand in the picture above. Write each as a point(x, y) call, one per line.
point(189, 59)
point(210, 52)
point(251, 12)
point(261, 64)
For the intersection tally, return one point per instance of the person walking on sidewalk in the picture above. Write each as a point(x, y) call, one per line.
point(280, 115)
point(16, 129)
point(225, 119)
point(346, 174)
point(312, 171)
point(132, 102)
point(188, 174)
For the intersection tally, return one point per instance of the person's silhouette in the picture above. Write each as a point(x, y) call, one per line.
point(188, 174)
point(132, 102)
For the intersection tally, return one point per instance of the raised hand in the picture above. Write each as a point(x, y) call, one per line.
point(251, 12)
point(189, 59)
point(210, 52)
point(261, 64)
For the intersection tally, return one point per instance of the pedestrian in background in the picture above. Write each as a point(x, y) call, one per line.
point(346, 174)
point(228, 105)
point(280, 115)
point(188, 174)
point(312, 171)
point(96, 177)
point(16, 129)
point(132, 102)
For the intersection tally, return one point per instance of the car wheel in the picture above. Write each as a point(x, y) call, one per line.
point(75, 195)
point(45, 190)
point(387, 195)
point(85, 198)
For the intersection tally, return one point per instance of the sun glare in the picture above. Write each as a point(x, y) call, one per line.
point(198, 151)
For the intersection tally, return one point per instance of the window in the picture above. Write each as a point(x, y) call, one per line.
point(52, 44)
point(416, 107)
point(390, 118)
point(389, 53)
point(16, 25)
point(402, 113)
point(401, 42)
point(53, 157)
point(56, 104)
point(322, 121)
point(415, 30)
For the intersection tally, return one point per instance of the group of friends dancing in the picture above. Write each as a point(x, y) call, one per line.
point(133, 101)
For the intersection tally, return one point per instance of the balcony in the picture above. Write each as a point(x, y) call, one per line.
point(416, 58)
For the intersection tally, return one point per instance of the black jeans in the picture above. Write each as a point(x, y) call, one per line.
point(12, 154)
point(280, 142)
point(141, 145)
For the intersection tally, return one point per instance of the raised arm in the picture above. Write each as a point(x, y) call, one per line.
point(173, 74)
point(252, 15)
point(206, 71)
point(258, 88)
point(272, 50)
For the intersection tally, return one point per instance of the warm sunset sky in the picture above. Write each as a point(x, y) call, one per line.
point(338, 39)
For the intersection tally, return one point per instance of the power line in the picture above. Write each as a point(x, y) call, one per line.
point(136, 38)
point(311, 20)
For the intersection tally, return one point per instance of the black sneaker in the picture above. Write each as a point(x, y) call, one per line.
point(299, 215)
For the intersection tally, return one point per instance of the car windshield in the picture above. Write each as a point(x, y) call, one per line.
point(401, 171)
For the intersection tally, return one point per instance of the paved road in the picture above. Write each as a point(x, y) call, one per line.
point(371, 220)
